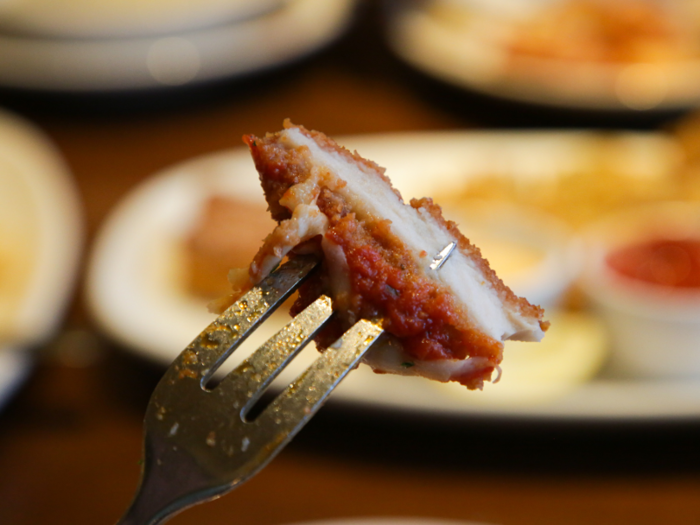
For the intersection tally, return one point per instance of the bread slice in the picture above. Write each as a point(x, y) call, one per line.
point(447, 324)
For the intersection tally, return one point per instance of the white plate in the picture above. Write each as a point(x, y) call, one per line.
point(462, 57)
point(135, 294)
point(118, 18)
point(40, 240)
point(222, 51)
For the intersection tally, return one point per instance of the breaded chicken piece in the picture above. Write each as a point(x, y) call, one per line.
point(447, 324)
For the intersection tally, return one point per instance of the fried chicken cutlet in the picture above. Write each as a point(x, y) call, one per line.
point(447, 324)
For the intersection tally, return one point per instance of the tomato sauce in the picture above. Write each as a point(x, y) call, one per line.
point(667, 262)
point(415, 309)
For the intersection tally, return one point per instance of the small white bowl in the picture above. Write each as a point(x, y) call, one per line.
point(534, 253)
point(654, 328)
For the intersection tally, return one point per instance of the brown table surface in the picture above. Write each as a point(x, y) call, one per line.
point(70, 440)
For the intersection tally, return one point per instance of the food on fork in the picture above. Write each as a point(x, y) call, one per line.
point(447, 324)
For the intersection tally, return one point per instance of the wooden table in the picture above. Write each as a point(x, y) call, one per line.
point(70, 441)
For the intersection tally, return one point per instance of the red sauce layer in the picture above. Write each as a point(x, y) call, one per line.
point(667, 262)
point(385, 284)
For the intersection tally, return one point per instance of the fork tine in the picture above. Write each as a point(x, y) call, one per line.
point(291, 410)
point(211, 347)
point(244, 386)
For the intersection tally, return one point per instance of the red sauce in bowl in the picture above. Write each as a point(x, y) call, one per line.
point(667, 262)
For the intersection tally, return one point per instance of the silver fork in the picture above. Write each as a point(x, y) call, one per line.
point(199, 443)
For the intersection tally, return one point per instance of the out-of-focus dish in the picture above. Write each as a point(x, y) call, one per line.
point(643, 274)
point(226, 50)
point(118, 18)
point(136, 288)
point(631, 55)
point(40, 240)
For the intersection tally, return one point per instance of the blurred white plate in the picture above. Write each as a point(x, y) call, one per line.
point(226, 50)
point(116, 18)
point(135, 294)
point(462, 56)
point(40, 240)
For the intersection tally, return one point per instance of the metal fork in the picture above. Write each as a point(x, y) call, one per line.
point(200, 442)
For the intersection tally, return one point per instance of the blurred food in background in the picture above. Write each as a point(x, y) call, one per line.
point(576, 197)
point(667, 261)
point(642, 274)
point(612, 171)
point(624, 31)
point(627, 55)
point(218, 243)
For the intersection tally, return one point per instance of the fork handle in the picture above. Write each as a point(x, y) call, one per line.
point(156, 500)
